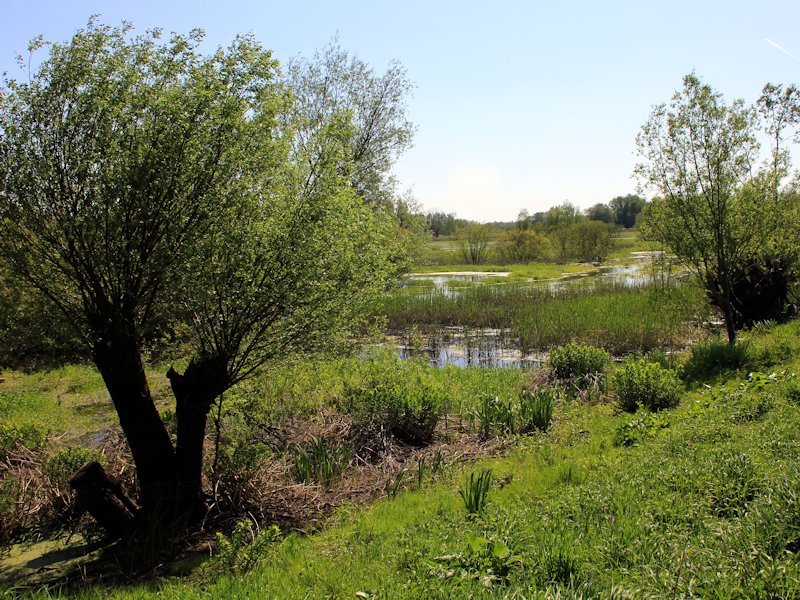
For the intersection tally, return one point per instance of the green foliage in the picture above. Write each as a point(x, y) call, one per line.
point(536, 409)
point(392, 487)
point(475, 491)
point(722, 216)
point(26, 436)
point(627, 209)
point(495, 414)
point(63, 465)
point(489, 562)
point(732, 483)
point(237, 463)
point(618, 318)
point(258, 220)
point(643, 384)
point(243, 550)
point(320, 462)
point(578, 362)
point(711, 358)
point(709, 507)
point(638, 427)
point(601, 212)
point(31, 334)
point(521, 246)
point(589, 241)
point(474, 242)
point(405, 400)
point(533, 410)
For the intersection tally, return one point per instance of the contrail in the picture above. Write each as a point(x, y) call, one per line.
point(784, 50)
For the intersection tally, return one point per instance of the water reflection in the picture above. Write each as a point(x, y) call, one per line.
point(468, 348)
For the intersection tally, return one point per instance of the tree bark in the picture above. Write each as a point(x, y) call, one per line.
point(103, 497)
point(119, 361)
point(195, 391)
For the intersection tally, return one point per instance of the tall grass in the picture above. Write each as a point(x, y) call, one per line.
point(618, 318)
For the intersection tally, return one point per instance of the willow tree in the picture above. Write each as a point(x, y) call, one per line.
point(140, 178)
point(717, 210)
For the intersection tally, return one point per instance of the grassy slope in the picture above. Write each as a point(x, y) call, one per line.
point(708, 506)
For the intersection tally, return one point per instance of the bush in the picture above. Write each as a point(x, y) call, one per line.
point(578, 362)
point(240, 553)
point(524, 246)
point(713, 357)
point(407, 404)
point(642, 384)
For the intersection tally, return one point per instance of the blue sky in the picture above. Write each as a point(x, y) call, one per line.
point(518, 104)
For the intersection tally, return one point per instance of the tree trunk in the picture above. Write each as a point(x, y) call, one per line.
point(103, 497)
point(119, 361)
point(195, 391)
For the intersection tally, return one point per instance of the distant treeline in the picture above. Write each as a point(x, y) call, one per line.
point(621, 211)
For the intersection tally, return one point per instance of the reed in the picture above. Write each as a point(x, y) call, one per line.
point(612, 316)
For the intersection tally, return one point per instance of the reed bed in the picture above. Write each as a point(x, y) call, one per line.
point(616, 317)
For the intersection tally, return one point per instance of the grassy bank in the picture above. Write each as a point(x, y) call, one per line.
point(705, 503)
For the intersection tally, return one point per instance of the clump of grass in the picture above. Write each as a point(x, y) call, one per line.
point(642, 384)
point(320, 462)
point(711, 358)
point(475, 492)
point(732, 485)
point(493, 414)
point(536, 409)
point(532, 411)
point(242, 551)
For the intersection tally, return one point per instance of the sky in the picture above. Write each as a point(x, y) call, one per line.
point(518, 105)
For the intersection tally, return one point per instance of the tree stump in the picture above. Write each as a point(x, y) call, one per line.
point(102, 497)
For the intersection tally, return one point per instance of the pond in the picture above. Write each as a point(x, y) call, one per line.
point(493, 347)
point(630, 274)
point(467, 348)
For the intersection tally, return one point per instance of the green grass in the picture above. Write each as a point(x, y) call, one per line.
point(70, 401)
point(706, 506)
point(529, 271)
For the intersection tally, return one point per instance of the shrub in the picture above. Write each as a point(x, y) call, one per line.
point(242, 551)
point(713, 357)
point(647, 385)
point(522, 246)
point(407, 404)
point(578, 362)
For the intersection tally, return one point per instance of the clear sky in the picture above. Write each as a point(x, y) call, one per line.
point(518, 104)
